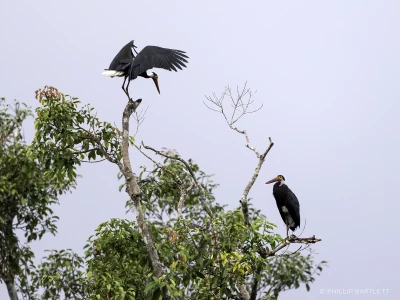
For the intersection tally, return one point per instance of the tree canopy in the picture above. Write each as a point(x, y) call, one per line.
point(183, 244)
point(28, 189)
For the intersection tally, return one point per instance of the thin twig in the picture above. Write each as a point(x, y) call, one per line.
point(177, 179)
point(93, 162)
point(208, 210)
point(101, 147)
point(139, 117)
point(304, 227)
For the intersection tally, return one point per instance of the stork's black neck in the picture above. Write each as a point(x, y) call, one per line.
point(144, 74)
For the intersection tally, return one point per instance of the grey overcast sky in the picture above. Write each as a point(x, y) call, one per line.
point(327, 73)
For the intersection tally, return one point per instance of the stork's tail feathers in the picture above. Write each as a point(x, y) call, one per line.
point(113, 73)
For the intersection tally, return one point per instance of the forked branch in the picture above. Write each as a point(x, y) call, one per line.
point(139, 118)
point(241, 105)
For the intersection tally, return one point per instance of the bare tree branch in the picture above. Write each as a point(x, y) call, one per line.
point(294, 240)
point(97, 140)
point(241, 104)
point(243, 199)
point(93, 162)
point(133, 189)
point(207, 209)
point(139, 117)
point(177, 179)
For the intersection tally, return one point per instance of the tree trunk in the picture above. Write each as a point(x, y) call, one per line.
point(134, 192)
point(12, 292)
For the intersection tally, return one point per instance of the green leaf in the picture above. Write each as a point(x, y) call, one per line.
point(149, 286)
point(199, 274)
point(156, 294)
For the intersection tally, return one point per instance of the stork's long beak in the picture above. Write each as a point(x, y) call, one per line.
point(273, 180)
point(155, 79)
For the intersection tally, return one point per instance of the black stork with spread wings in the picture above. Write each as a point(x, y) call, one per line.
point(130, 64)
point(288, 205)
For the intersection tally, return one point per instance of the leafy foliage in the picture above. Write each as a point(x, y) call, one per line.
point(117, 261)
point(206, 258)
point(207, 251)
point(61, 276)
point(66, 136)
point(27, 190)
point(289, 271)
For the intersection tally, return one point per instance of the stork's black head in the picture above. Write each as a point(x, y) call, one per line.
point(154, 76)
point(277, 178)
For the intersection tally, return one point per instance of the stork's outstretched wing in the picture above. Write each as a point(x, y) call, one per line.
point(123, 59)
point(157, 57)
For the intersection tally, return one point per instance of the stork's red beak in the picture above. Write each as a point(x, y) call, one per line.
point(155, 79)
point(273, 180)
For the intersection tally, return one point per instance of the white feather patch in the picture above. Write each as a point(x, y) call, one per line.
point(289, 219)
point(150, 73)
point(112, 73)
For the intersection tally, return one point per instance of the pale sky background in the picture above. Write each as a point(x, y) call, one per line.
point(327, 73)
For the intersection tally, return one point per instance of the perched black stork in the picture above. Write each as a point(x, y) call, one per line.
point(128, 65)
point(288, 205)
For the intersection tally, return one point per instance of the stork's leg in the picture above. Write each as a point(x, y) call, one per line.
point(287, 226)
point(123, 85)
point(125, 89)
